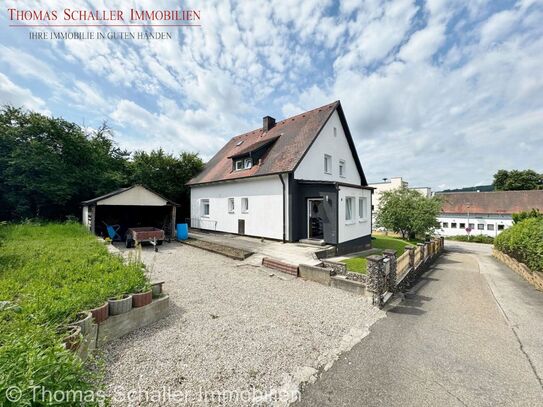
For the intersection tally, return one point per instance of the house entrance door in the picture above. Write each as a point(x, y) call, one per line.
point(315, 216)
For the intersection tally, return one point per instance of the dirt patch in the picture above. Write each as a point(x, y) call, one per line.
point(232, 252)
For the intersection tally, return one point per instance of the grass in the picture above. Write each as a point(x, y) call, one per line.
point(356, 264)
point(359, 264)
point(48, 273)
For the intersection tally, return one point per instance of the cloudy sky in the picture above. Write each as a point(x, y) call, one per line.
point(441, 92)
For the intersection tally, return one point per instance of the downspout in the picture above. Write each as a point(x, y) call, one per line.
point(284, 211)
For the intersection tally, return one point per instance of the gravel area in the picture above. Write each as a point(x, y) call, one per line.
point(236, 334)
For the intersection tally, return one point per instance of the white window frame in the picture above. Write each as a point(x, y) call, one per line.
point(247, 163)
point(351, 219)
point(240, 166)
point(362, 210)
point(327, 164)
point(245, 205)
point(480, 226)
point(204, 203)
point(231, 205)
point(342, 168)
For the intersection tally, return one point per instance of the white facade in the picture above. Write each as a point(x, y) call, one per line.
point(359, 223)
point(331, 142)
point(487, 224)
point(263, 217)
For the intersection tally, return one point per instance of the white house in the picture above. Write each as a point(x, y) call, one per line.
point(299, 178)
point(484, 213)
point(389, 185)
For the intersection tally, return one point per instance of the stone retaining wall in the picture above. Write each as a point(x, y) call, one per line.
point(533, 277)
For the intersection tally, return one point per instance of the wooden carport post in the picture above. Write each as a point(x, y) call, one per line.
point(93, 219)
point(173, 232)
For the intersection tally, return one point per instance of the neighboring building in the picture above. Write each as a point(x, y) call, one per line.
point(390, 184)
point(485, 213)
point(299, 178)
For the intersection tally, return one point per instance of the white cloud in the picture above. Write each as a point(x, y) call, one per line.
point(11, 94)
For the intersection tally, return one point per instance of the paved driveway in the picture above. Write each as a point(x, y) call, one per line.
point(470, 333)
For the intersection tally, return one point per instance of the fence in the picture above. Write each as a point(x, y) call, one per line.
point(388, 274)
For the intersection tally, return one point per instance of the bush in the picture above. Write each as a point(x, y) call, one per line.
point(472, 238)
point(523, 215)
point(49, 273)
point(524, 242)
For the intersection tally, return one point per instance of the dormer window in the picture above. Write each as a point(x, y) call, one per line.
point(247, 163)
point(239, 165)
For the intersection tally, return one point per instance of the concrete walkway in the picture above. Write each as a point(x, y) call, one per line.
point(293, 253)
point(468, 334)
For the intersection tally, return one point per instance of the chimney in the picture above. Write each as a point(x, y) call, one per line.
point(268, 123)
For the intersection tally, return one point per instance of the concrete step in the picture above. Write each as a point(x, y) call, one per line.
point(313, 242)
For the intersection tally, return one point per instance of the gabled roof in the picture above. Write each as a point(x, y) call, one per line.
point(122, 190)
point(290, 140)
point(497, 202)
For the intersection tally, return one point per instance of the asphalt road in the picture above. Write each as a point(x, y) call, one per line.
point(470, 333)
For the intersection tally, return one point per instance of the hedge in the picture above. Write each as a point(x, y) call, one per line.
point(524, 242)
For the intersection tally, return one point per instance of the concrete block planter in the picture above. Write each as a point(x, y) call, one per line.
point(71, 336)
point(142, 299)
point(120, 306)
point(83, 321)
point(101, 313)
point(157, 288)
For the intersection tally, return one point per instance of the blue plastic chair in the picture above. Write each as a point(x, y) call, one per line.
point(113, 232)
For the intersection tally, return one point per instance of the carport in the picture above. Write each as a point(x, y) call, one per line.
point(135, 206)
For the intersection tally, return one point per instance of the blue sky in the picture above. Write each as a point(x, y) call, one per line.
point(443, 93)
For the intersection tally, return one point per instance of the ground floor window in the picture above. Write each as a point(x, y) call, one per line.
point(445, 225)
point(480, 226)
point(231, 205)
point(453, 225)
point(205, 207)
point(349, 206)
point(244, 205)
point(362, 209)
point(490, 226)
point(501, 227)
point(471, 226)
point(462, 226)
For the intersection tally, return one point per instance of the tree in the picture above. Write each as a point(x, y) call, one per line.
point(166, 174)
point(517, 180)
point(408, 212)
point(48, 165)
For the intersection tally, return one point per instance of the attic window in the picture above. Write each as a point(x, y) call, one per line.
point(239, 143)
point(239, 165)
point(247, 163)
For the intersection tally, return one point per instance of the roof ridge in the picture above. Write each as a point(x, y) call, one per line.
point(288, 118)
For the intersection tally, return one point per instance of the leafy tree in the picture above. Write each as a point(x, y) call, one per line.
point(408, 212)
point(517, 180)
point(48, 165)
point(166, 174)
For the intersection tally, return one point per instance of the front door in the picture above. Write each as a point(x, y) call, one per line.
point(315, 217)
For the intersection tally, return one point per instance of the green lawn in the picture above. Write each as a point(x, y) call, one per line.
point(359, 264)
point(356, 264)
point(48, 273)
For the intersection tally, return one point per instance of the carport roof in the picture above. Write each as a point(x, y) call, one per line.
point(122, 190)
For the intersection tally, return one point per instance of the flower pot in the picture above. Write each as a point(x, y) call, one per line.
point(100, 313)
point(84, 321)
point(122, 306)
point(142, 299)
point(157, 289)
point(71, 336)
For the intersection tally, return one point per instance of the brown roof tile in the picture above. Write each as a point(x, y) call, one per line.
point(293, 137)
point(504, 202)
